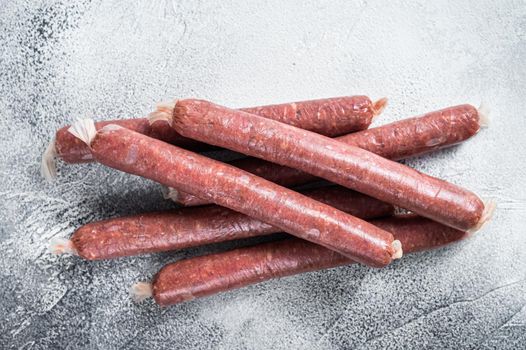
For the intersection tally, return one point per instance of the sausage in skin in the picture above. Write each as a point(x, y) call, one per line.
point(190, 227)
point(328, 116)
point(292, 212)
point(398, 140)
point(206, 275)
point(330, 159)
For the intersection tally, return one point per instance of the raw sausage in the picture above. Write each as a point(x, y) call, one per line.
point(421, 134)
point(210, 274)
point(327, 158)
point(397, 140)
point(273, 172)
point(330, 159)
point(72, 150)
point(190, 227)
point(239, 190)
point(329, 116)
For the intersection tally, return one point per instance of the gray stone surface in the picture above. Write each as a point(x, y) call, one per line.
point(60, 60)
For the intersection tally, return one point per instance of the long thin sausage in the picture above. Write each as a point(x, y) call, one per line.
point(330, 159)
point(201, 276)
point(240, 191)
point(72, 150)
point(190, 227)
point(328, 116)
point(397, 140)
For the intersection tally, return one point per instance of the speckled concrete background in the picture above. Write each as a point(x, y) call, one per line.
point(60, 60)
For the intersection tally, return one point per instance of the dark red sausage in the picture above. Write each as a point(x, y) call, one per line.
point(330, 159)
point(210, 274)
point(273, 172)
point(241, 191)
point(397, 140)
point(419, 135)
point(190, 227)
point(329, 116)
point(72, 150)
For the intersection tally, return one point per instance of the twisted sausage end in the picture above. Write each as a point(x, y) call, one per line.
point(163, 112)
point(379, 106)
point(170, 193)
point(84, 129)
point(489, 209)
point(397, 248)
point(47, 166)
point(59, 246)
point(141, 291)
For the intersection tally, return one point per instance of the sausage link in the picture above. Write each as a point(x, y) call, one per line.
point(397, 140)
point(239, 190)
point(328, 116)
point(419, 135)
point(72, 150)
point(273, 172)
point(210, 274)
point(190, 227)
point(330, 159)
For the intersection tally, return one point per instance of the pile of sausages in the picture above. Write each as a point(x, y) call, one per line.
point(350, 220)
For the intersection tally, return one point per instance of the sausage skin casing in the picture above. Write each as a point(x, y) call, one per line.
point(330, 159)
point(397, 140)
point(201, 276)
point(72, 150)
point(418, 135)
point(190, 227)
point(225, 185)
point(329, 116)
